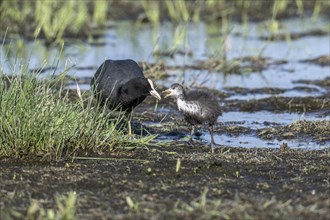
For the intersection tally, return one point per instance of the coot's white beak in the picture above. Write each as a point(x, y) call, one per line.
point(153, 92)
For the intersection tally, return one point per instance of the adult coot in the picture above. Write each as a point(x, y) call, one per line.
point(121, 85)
point(197, 107)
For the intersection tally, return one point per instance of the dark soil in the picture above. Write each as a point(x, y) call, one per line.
point(232, 183)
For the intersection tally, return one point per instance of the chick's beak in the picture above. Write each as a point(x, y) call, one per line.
point(167, 92)
point(155, 94)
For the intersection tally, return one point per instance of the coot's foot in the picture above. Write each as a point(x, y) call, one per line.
point(213, 145)
point(190, 142)
point(131, 137)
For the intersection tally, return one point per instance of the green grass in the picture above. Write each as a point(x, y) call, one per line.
point(65, 208)
point(54, 20)
point(38, 119)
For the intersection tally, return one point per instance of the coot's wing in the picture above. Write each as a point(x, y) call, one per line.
point(111, 75)
point(124, 69)
point(208, 102)
point(201, 96)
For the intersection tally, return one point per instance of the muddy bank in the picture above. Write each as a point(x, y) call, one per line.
point(322, 60)
point(274, 103)
point(318, 130)
point(241, 65)
point(295, 36)
point(232, 183)
point(325, 83)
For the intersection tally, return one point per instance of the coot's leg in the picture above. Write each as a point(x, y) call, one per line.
point(212, 139)
point(129, 128)
point(192, 132)
point(129, 123)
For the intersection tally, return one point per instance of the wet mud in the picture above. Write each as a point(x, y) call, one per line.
point(232, 183)
point(322, 60)
point(281, 104)
point(325, 83)
point(295, 36)
point(318, 130)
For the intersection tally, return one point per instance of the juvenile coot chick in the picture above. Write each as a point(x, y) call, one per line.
point(121, 85)
point(197, 107)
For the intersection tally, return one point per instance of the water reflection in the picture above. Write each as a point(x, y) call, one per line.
point(197, 41)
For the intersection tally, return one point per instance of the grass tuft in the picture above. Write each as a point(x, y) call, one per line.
point(37, 118)
point(65, 208)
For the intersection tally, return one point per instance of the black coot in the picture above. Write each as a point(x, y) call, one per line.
point(121, 85)
point(197, 107)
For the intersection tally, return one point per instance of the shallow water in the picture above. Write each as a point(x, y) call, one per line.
point(254, 120)
point(248, 141)
point(274, 77)
point(251, 142)
point(262, 119)
point(291, 93)
point(128, 40)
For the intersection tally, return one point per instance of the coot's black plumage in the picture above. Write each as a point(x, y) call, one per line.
point(121, 85)
point(197, 107)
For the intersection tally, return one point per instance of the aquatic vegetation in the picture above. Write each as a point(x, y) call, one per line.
point(152, 12)
point(178, 10)
point(38, 119)
point(179, 43)
point(52, 20)
point(154, 71)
